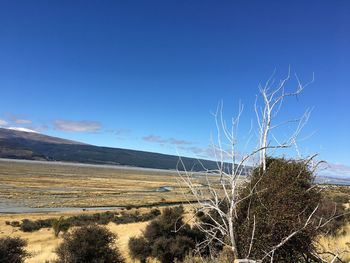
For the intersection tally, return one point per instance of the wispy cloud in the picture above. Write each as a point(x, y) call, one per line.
point(213, 152)
point(3, 122)
point(23, 121)
point(337, 170)
point(77, 126)
point(179, 142)
point(154, 138)
point(39, 127)
point(209, 152)
point(161, 140)
point(121, 132)
point(18, 119)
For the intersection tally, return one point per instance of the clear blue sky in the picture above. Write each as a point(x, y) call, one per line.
point(146, 74)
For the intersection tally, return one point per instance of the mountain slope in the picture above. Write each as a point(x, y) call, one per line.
point(34, 146)
point(7, 134)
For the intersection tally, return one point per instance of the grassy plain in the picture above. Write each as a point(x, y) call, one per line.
point(30, 184)
point(42, 243)
point(41, 185)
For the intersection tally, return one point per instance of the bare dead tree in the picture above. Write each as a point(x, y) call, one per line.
point(273, 97)
point(232, 165)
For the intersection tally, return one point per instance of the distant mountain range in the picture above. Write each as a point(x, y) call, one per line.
point(20, 144)
point(16, 144)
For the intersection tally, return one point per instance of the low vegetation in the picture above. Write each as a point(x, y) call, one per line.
point(12, 250)
point(52, 186)
point(89, 244)
point(281, 215)
point(290, 197)
point(167, 238)
point(63, 224)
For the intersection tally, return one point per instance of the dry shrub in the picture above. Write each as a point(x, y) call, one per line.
point(275, 203)
point(166, 238)
point(89, 244)
point(12, 250)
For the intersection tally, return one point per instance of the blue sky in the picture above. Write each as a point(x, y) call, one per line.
point(147, 74)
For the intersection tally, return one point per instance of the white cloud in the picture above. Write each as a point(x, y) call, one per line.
point(77, 126)
point(159, 139)
point(22, 121)
point(18, 118)
point(3, 122)
point(336, 170)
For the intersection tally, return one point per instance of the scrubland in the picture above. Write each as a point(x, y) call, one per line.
point(38, 185)
point(42, 243)
point(74, 186)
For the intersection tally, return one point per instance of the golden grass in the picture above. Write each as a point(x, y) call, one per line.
point(42, 243)
point(52, 185)
point(125, 232)
point(339, 244)
point(33, 184)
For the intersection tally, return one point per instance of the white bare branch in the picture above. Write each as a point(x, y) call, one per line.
point(222, 184)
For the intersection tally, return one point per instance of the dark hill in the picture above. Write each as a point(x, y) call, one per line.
point(34, 146)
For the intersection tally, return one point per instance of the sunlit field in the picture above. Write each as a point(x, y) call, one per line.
point(72, 189)
point(42, 243)
point(39, 185)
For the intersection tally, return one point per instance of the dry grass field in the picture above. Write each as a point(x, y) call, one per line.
point(40, 185)
point(30, 184)
point(42, 243)
point(338, 245)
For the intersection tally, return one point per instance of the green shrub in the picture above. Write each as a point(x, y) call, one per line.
point(166, 238)
point(283, 199)
point(82, 220)
point(89, 244)
point(275, 203)
point(15, 224)
point(12, 250)
point(29, 225)
point(139, 248)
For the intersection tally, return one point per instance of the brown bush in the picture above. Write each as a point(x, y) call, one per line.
point(12, 250)
point(280, 201)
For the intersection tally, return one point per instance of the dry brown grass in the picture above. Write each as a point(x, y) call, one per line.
point(42, 243)
point(339, 244)
point(52, 185)
point(124, 232)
